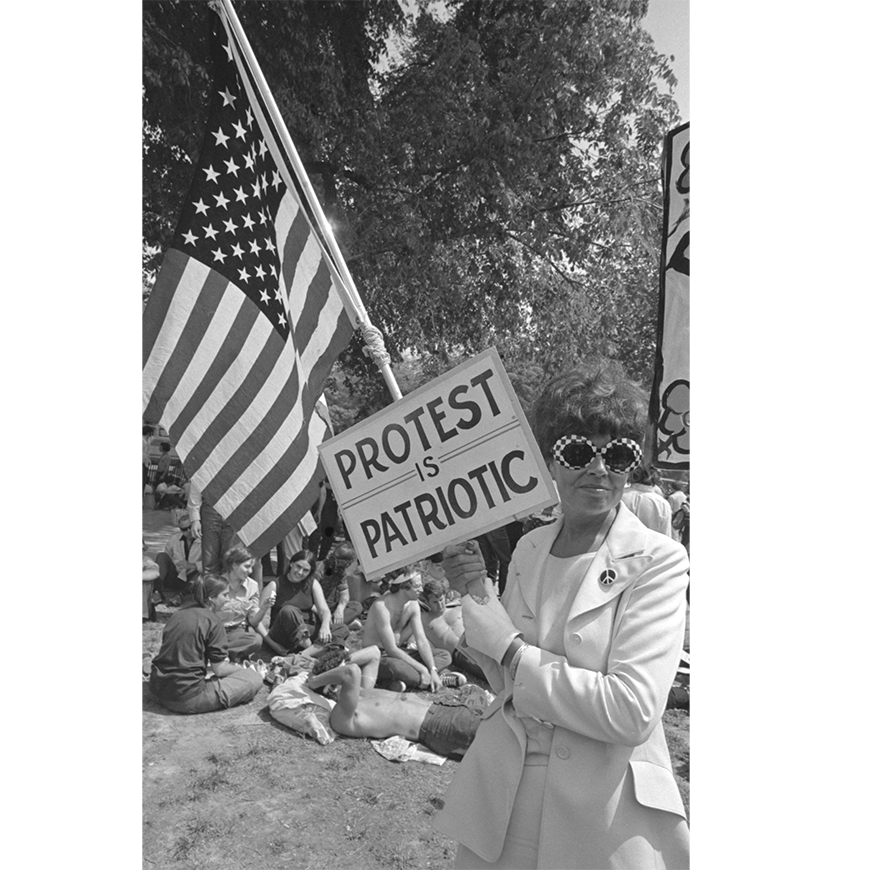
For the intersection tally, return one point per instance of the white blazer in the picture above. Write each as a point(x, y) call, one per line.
point(611, 800)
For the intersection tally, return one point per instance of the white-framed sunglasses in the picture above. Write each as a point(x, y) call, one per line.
point(620, 455)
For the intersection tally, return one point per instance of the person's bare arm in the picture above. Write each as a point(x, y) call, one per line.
point(348, 678)
point(368, 658)
point(324, 635)
point(258, 614)
point(416, 623)
point(343, 599)
point(267, 599)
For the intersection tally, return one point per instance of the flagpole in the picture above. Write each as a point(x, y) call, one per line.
point(374, 341)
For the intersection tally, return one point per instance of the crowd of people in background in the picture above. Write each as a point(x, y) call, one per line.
point(319, 593)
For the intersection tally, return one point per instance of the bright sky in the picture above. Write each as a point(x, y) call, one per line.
point(667, 21)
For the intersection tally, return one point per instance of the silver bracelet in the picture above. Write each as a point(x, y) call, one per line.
point(515, 661)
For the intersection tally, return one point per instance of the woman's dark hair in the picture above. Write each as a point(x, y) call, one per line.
point(235, 556)
point(208, 586)
point(304, 556)
point(590, 401)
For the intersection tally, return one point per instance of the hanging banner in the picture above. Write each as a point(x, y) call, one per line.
point(450, 461)
point(669, 403)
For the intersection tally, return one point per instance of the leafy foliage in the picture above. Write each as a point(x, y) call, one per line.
point(497, 184)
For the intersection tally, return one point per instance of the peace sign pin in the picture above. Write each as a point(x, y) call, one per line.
point(607, 577)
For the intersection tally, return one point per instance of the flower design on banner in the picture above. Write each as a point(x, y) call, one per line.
point(674, 421)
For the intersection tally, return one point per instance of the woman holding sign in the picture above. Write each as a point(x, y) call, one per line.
point(570, 767)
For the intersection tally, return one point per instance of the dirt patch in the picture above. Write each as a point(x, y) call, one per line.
point(237, 789)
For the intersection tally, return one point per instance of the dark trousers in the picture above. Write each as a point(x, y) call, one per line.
point(243, 642)
point(463, 662)
point(217, 535)
point(218, 694)
point(292, 627)
point(390, 669)
point(168, 582)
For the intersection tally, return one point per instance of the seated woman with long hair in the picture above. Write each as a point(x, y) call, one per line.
point(300, 613)
point(194, 639)
point(245, 607)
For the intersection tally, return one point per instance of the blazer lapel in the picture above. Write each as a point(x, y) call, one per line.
point(614, 565)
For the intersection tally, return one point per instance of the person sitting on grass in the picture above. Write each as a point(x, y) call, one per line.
point(194, 639)
point(169, 494)
point(392, 623)
point(299, 610)
point(245, 606)
point(444, 726)
point(180, 563)
point(333, 581)
point(443, 626)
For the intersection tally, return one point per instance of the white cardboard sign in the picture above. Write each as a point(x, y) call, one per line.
point(450, 461)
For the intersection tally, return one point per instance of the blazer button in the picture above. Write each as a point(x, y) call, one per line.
point(563, 752)
point(576, 639)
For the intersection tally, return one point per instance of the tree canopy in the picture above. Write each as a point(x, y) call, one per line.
point(497, 183)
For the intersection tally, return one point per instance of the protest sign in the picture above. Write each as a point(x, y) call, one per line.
point(452, 460)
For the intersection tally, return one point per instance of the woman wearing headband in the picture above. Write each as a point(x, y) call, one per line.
point(570, 767)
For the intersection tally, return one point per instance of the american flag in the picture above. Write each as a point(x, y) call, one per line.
point(245, 319)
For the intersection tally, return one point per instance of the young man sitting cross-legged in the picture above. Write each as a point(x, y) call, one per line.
point(393, 621)
point(446, 727)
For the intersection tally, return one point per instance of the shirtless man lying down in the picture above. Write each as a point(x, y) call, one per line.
point(446, 727)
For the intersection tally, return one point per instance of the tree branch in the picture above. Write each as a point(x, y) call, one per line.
point(545, 257)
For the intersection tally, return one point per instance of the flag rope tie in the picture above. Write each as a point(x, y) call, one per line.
point(375, 347)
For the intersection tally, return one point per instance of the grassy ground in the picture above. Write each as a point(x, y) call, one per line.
point(236, 789)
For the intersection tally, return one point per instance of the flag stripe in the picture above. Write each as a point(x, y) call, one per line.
point(251, 492)
point(306, 315)
point(286, 518)
point(217, 308)
point(252, 476)
point(183, 329)
point(246, 465)
point(303, 454)
point(298, 235)
point(253, 369)
point(258, 340)
point(161, 299)
point(223, 359)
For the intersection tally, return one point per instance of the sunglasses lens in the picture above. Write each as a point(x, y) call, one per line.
point(576, 454)
point(620, 457)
